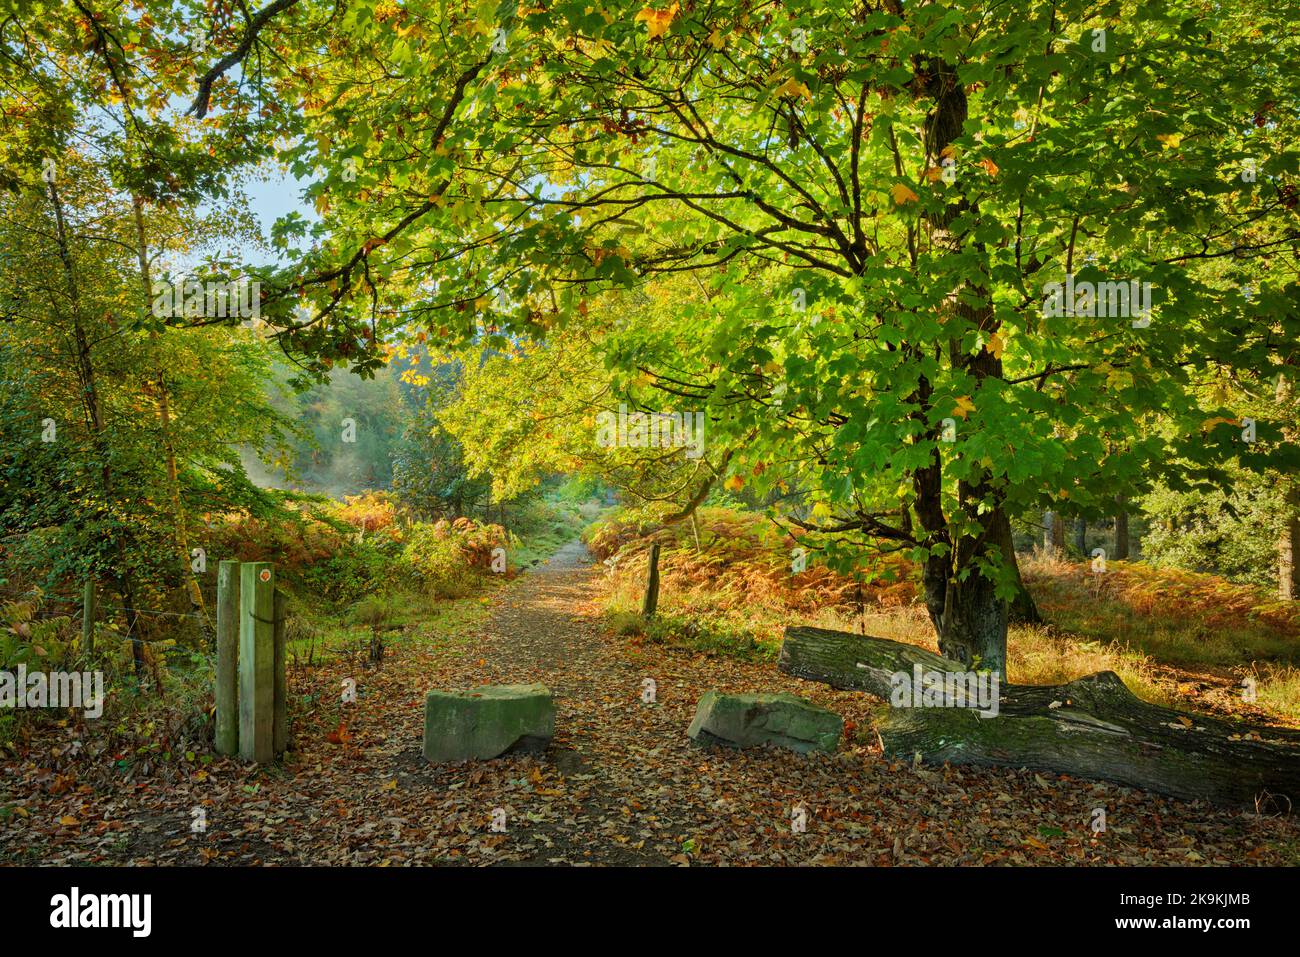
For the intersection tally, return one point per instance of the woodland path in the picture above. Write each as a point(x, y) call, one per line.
point(621, 784)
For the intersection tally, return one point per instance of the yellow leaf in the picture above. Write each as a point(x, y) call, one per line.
point(793, 87)
point(995, 345)
point(391, 785)
point(717, 40)
point(734, 484)
point(990, 167)
point(903, 195)
point(69, 821)
point(656, 22)
point(1170, 141)
point(964, 407)
point(933, 174)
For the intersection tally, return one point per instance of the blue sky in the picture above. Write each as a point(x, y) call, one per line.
point(276, 194)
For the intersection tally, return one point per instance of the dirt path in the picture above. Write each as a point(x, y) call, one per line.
point(620, 784)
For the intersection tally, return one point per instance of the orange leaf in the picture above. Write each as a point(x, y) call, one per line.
point(656, 22)
point(792, 88)
point(903, 195)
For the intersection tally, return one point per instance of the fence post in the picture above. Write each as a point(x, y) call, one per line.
point(227, 690)
point(652, 584)
point(280, 724)
point(88, 617)
point(256, 661)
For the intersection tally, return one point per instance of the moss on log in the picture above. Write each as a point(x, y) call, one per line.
point(1093, 727)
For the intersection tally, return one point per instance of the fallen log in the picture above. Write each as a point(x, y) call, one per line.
point(1092, 727)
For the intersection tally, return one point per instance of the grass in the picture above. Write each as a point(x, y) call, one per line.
point(1184, 619)
point(405, 615)
point(1179, 639)
point(551, 525)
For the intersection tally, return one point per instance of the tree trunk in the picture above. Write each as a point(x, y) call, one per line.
point(1058, 533)
point(1288, 551)
point(1288, 546)
point(165, 417)
point(974, 626)
point(1081, 536)
point(89, 388)
point(1022, 609)
point(1093, 727)
point(1121, 532)
point(970, 619)
point(651, 601)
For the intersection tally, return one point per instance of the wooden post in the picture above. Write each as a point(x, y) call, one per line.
point(280, 723)
point(88, 617)
point(227, 690)
point(652, 584)
point(256, 661)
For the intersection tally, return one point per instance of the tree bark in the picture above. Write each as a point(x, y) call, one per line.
point(89, 388)
point(1022, 610)
point(1093, 727)
point(165, 417)
point(1288, 545)
point(1081, 536)
point(1121, 531)
point(651, 601)
point(970, 619)
point(1288, 550)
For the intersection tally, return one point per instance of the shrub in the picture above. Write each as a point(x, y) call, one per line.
point(1231, 534)
point(449, 558)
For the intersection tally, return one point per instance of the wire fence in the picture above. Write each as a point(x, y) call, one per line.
point(200, 615)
